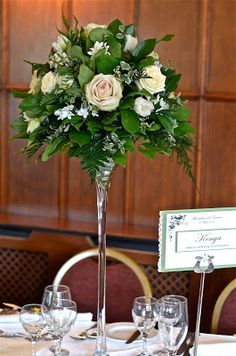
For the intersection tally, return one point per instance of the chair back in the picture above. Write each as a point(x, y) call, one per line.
point(125, 281)
point(224, 313)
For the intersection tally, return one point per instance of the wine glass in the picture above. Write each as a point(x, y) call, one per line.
point(62, 314)
point(173, 321)
point(54, 292)
point(32, 318)
point(51, 294)
point(144, 314)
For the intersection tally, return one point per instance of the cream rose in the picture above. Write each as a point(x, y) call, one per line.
point(104, 91)
point(156, 82)
point(35, 84)
point(143, 107)
point(61, 44)
point(49, 82)
point(92, 26)
point(131, 43)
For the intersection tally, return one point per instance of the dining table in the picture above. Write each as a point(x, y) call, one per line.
point(12, 344)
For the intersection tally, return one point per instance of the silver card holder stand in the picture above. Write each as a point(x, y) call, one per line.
point(203, 265)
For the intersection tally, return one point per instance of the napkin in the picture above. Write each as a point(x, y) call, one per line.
point(226, 348)
point(84, 318)
point(9, 318)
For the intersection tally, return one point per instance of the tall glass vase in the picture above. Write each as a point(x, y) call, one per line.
point(102, 184)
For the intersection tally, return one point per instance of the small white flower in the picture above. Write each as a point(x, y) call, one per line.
point(97, 46)
point(163, 105)
point(82, 112)
point(143, 107)
point(65, 81)
point(65, 113)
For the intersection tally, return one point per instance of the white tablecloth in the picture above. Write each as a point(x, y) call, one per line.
point(210, 345)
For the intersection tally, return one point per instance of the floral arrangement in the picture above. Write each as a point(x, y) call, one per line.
point(100, 95)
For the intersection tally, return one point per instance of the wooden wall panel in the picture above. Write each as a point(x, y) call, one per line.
point(31, 24)
point(159, 185)
point(82, 195)
point(222, 47)
point(219, 155)
point(103, 11)
point(33, 186)
point(181, 17)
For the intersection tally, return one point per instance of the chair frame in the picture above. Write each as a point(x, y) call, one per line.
point(119, 256)
point(219, 304)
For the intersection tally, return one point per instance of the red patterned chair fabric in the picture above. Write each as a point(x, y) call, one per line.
point(122, 287)
point(227, 320)
point(224, 314)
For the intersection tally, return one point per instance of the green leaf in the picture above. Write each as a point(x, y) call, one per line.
point(32, 104)
point(120, 158)
point(77, 53)
point(167, 37)
point(19, 93)
point(129, 144)
point(130, 121)
point(82, 138)
point(182, 114)
point(154, 127)
point(168, 123)
point(19, 124)
point(85, 75)
point(146, 62)
point(127, 103)
point(97, 34)
point(148, 150)
point(114, 26)
point(144, 48)
point(184, 128)
point(106, 63)
point(94, 125)
point(52, 148)
point(115, 46)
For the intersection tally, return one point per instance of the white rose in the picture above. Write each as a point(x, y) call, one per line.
point(104, 91)
point(143, 107)
point(156, 82)
point(61, 44)
point(155, 55)
point(92, 26)
point(49, 82)
point(35, 84)
point(131, 43)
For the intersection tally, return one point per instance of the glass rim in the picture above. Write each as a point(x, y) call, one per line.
point(180, 298)
point(147, 299)
point(52, 287)
point(34, 305)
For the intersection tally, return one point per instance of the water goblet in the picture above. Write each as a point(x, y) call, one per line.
point(51, 294)
point(172, 322)
point(144, 314)
point(54, 292)
point(62, 315)
point(32, 318)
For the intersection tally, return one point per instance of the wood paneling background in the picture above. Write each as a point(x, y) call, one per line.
point(57, 193)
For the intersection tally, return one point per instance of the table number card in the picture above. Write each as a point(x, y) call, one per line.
point(186, 234)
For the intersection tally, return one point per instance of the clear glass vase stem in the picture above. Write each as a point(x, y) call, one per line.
point(102, 192)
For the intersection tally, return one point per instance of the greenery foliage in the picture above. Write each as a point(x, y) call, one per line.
point(131, 109)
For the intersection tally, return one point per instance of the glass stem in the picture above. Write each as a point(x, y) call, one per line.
point(33, 342)
point(102, 191)
point(144, 339)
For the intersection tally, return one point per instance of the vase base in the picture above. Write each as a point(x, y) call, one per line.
point(100, 353)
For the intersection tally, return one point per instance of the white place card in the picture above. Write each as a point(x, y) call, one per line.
point(187, 234)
